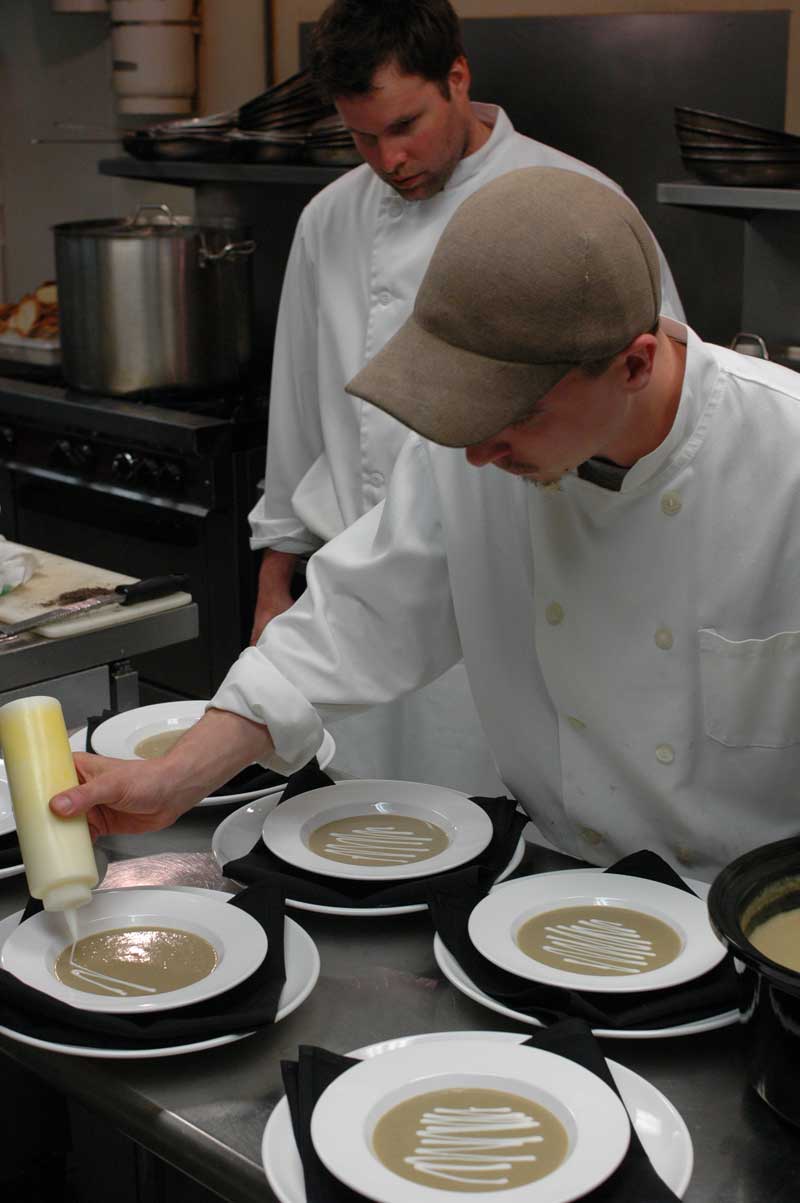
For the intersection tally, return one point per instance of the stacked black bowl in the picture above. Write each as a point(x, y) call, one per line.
point(725, 150)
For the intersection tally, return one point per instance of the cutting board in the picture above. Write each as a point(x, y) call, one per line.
point(56, 575)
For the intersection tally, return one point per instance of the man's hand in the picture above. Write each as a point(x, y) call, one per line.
point(120, 796)
point(274, 589)
point(132, 796)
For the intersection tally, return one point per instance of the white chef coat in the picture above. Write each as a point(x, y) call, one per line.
point(358, 257)
point(634, 655)
point(359, 254)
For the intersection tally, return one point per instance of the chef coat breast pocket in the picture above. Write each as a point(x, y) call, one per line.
point(751, 689)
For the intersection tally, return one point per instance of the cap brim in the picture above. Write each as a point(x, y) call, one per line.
point(447, 394)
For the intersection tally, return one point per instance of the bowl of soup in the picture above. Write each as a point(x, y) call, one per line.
point(754, 906)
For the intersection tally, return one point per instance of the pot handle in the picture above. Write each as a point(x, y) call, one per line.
point(164, 210)
point(744, 337)
point(231, 250)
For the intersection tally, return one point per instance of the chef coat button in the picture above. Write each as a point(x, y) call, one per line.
point(683, 855)
point(671, 504)
point(664, 638)
point(590, 836)
point(554, 614)
point(385, 298)
point(376, 479)
point(576, 723)
point(665, 754)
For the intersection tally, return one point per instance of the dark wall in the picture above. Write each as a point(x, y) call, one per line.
point(603, 88)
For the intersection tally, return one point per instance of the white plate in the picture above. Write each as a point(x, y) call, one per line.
point(496, 920)
point(302, 971)
point(346, 1113)
point(657, 1123)
point(467, 827)
point(238, 939)
point(119, 735)
point(7, 821)
point(458, 978)
point(237, 834)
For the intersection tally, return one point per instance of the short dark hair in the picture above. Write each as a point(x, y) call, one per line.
point(353, 38)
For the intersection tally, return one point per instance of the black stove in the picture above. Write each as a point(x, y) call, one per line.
point(142, 486)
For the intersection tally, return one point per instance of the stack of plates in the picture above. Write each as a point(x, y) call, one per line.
point(292, 830)
point(397, 1071)
point(588, 931)
point(270, 128)
point(725, 150)
point(30, 950)
point(330, 142)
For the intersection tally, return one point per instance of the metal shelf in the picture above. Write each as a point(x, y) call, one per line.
point(180, 172)
point(717, 196)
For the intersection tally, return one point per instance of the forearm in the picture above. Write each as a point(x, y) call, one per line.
point(274, 589)
point(217, 747)
point(132, 796)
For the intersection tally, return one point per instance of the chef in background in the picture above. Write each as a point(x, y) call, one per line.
point(614, 552)
point(397, 73)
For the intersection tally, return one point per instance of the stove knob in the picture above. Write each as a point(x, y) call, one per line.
point(149, 471)
point(7, 439)
point(124, 466)
point(172, 476)
point(78, 456)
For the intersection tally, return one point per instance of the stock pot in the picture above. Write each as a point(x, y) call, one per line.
point(753, 888)
point(153, 303)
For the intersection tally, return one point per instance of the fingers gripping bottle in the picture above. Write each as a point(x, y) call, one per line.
point(57, 853)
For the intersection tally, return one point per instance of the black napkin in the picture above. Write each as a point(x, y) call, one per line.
point(634, 1180)
point(302, 886)
point(714, 992)
point(251, 1004)
point(254, 776)
point(10, 854)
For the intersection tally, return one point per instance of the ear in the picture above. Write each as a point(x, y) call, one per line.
point(636, 362)
point(459, 76)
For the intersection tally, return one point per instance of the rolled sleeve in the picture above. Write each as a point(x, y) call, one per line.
point(255, 689)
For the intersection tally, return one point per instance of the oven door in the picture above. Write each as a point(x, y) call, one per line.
point(138, 536)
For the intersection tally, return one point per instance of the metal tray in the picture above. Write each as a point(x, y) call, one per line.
point(42, 351)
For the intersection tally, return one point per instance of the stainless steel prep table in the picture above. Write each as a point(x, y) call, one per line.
point(205, 1113)
point(31, 660)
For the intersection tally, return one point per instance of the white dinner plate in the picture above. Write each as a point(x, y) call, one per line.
point(346, 1114)
point(619, 951)
point(119, 735)
point(458, 978)
point(239, 941)
point(657, 1123)
point(77, 742)
point(302, 971)
point(288, 828)
point(7, 822)
point(238, 832)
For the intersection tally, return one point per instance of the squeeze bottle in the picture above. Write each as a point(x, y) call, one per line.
point(57, 853)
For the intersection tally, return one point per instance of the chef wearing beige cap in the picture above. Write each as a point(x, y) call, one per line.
point(632, 630)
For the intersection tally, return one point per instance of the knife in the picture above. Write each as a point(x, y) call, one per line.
point(123, 595)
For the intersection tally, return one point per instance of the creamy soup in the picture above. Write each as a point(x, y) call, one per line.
point(377, 839)
point(135, 961)
point(600, 940)
point(158, 745)
point(779, 939)
point(470, 1139)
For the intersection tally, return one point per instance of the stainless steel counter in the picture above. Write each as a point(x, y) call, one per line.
point(30, 658)
point(205, 1113)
